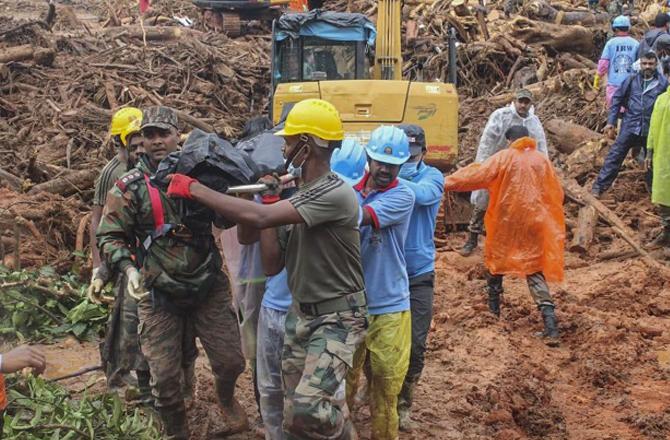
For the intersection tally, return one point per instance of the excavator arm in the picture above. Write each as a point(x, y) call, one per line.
point(388, 52)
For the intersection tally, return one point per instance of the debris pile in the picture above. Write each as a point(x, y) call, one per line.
point(59, 88)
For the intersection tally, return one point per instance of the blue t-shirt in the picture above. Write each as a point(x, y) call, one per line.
point(383, 247)
point(277, 296)
point(427, 184)
point(621, 53)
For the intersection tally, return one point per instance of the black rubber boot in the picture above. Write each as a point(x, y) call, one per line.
point(470, 245)
point(663, 240)
point(494, 301)
point(175, 422)
point(550, 332)
point(405, 399)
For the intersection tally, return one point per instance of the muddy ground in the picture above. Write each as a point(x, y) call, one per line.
point(489, 378)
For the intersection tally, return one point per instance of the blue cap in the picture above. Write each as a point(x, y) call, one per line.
point(388, 144)
point(621, 22)
point(349, 161)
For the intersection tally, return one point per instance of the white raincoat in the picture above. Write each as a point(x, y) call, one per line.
point(493, 140)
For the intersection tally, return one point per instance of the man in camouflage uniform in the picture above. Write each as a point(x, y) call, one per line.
point(120, 351)
point(181, 290)
point(321, 252)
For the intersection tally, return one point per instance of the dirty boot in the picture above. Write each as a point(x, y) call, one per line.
point(663, 240)
point(494, 301)
point(175, 422)
point(405, 399)
point(470, 245)
point(234, 416)
point(550, 332)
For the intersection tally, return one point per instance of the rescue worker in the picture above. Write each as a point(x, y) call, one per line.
point(181, 291)
point(637, 95)
point(520, 112)
point(658, 160)
point(15, 360)
point(121, 351)
point(650, 37)
point(427, 183)
point(525, 224)
point(321, 253)
point(663, 53)
point(617, 59)
point(387, 207)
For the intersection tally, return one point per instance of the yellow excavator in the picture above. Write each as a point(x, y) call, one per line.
point(343, 58)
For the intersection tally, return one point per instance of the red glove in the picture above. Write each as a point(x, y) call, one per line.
point(180, 186)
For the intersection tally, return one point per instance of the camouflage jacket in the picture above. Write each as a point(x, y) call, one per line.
point(174, 262)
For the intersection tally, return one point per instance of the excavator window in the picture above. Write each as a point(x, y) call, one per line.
point(318, 59)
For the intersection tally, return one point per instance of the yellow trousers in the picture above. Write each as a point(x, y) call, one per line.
point(386, 349)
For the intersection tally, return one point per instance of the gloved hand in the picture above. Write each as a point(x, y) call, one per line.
point(270, 195)
point(135, 284)
point(94, 292)
point(596, 82)
point(180, 186)
point(610, 131)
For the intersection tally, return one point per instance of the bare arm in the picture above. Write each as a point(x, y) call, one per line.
point(272, 255)
point(96, 215)
point(245, 212)
point(247, 234)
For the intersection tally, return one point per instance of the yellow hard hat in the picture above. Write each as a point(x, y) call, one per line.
point(316, 117)
point(125, 122)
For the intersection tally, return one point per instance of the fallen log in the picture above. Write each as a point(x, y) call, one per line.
point(585, 230)
point(13, 181)
point(26, 52)
point(150, 33)
point(541, 10)
point(580, 195)
point(561, 38)
point(568, 136)
point(67, 184)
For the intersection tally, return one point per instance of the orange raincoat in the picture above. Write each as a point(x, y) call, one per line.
point(525, 225)
point(3, 396)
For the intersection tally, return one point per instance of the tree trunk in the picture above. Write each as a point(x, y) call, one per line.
point(561, 38)
point(586, 226)
point(568, 136)
point(67, 184)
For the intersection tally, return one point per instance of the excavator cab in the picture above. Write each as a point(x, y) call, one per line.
point(321, 46)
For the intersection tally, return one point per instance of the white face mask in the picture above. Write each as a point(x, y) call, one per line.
point(296, 170)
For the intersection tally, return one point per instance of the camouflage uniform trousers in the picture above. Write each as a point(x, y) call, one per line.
point(476, 225)
point(126, 355)
point(537, 285)
point(167, 340)
point(318, 353)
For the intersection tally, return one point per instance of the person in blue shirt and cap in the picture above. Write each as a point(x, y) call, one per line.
point(387, 208)
point(427, 183)
point(617, 59)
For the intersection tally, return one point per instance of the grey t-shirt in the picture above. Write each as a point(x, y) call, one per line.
point(323, 255)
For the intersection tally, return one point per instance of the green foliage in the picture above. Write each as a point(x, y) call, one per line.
point(40, 306)
point(40, 410)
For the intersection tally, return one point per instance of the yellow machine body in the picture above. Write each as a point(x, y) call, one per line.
point(366, 104)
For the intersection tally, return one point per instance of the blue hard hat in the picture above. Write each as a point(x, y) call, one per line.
point(388, 144)
point(621, 22)
point(349, 161)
